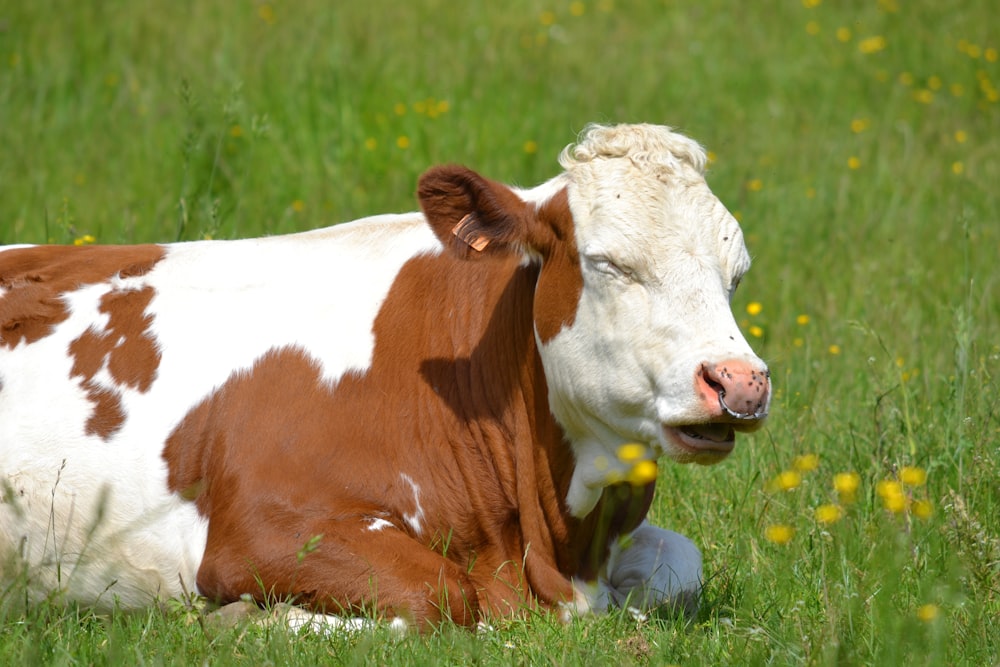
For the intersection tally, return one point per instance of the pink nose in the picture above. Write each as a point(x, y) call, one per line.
point(736, 389)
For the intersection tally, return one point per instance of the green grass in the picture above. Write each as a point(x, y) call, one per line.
point(153, 121)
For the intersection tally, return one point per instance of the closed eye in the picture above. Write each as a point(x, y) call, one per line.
point(607, 267)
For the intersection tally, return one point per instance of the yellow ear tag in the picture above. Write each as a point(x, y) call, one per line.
point(468, 231)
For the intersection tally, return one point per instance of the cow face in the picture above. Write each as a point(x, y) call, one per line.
point(632, 315)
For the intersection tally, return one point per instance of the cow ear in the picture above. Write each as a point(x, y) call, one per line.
point(474, 216)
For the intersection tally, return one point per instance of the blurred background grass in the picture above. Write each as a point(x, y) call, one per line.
point(858, 142)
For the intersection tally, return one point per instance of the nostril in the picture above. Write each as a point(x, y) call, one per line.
point(712, 381)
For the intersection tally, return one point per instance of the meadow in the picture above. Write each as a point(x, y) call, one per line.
point(857, 142)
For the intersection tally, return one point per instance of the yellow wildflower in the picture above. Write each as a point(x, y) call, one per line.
point(403, 142)
point(779, 533)
point(854, 162)
point(844, 34)
point(859, 125)
point(913, 476)
point(834, 349)
point(827, 514)
point(958, 168)
point(577, 8)
point(642, 473)
point(530, 147)
point(86, 239)
point(787, 480)
point(755, 185)
point(756, 331)
point(871, 44)
point(632, 452)
point(922, 509)
point(754, 308)
point(891, 493)
point(846, 484)
point(802, 320)
point(806, 462)
point(927, 612)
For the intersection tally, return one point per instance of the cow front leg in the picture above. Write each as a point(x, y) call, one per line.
point(341, 569)
point(655, 568)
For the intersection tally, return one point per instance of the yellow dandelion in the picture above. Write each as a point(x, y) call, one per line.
point(577, 8)
point(298, 205)
point(973, 51)
point(399, 109)
point(754, 308)
point(913, 476)
point(712, 157)
point(958, 167)
point(871, 44)
point(86, 239)
point(891, 493)
point(833, 349)
point(854, 162)
point(990, 54)
point(779, 533)
point(606, 5)
point(788, 480)
point(934, 82)
point(859, 125)
point(922, 509)
point(631, 452)
point(266, 14)
point(756, 331)
point(844, 34)
point(755, 185)
point(923, 96)
point(530, 147)
point(961, 136)
point(927, 612)
point(371, 143)
point(810, 192)
point(846, 484)
point(811, 4)
point(806, 462)
point(957, 89)
point(236, 131)
point(827, 514)
point(812, 28)
point(443, 106)
point(547, 17)
point(642, 473)
point(798, 342)
point(802, 320)
point(403, 142)
point(906, 78)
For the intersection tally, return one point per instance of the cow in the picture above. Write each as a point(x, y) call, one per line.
point(452, 415)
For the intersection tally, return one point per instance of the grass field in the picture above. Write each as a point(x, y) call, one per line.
point(858, 143)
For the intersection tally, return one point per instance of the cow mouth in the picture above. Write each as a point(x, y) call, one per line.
point(703, 438)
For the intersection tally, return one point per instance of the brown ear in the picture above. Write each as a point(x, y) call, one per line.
point(474, 216)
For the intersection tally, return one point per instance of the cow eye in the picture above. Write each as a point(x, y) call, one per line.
point(607, 267)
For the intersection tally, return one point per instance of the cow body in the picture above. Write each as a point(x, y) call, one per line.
point(418, 415)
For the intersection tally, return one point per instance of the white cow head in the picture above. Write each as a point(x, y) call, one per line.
point(632, 305)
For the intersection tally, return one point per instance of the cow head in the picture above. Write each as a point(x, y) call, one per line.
point(639, 261)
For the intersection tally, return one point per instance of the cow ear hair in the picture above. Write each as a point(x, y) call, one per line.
point(472, 215)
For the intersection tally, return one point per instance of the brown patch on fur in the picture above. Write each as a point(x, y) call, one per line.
point(128, 350)
point(35, 279)
point(561, 281)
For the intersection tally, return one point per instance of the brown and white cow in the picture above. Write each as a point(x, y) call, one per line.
point(420, 416)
